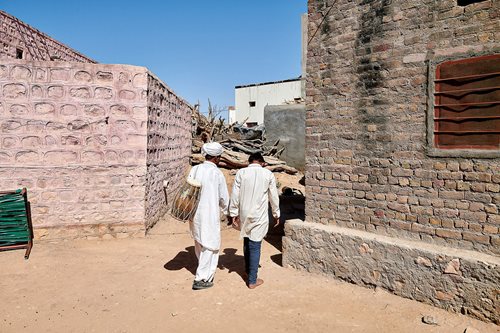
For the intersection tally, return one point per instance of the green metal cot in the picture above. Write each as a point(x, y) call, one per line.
point(16, 229)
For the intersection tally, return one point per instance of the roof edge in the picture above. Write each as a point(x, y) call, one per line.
point(266, 83)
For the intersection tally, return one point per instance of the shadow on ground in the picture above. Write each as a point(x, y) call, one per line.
point(232, 262)
point(184, 259)
point(227, 260)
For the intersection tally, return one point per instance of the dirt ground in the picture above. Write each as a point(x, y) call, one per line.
point(144, 285)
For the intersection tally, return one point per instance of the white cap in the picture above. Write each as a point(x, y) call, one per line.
point(212, 149)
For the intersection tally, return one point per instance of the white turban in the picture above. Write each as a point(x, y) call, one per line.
point(212, 149)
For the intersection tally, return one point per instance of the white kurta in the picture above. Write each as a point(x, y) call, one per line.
point(205, 228)
point(253, 187)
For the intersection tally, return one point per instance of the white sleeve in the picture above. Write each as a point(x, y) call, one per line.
point(223, 195)
point(274, 197)
point(234, 207)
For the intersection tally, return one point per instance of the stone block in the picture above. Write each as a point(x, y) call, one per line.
point(94, 110)
point(14, 91)
point(484, 239)
point(28, 156)
point(44, 109)
point(20, 73)
point(103, 93)
point(80, 93)
point(417, 266)
point(55, 92)
point(59, 74)
point(84, 76)
point(104, 76)
point(449, 233)
point(127, 94)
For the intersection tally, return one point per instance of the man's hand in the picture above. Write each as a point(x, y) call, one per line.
point(235, 222)
point(276, 221)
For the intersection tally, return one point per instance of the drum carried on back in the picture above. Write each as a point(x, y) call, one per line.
point(186, 200)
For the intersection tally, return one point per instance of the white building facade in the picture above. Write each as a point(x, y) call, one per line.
point(250, 100)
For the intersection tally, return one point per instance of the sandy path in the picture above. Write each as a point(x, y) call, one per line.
point(144, 285)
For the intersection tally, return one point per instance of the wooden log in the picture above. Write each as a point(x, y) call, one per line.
point(235, 159)
point(282, 168)
point(196, 159)
point(270, 160)
point(196, 146)
point(244, 149)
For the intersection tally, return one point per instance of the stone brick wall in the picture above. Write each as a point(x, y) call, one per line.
point(76, 134)
point(34, 44)
point(367, 162)
point(168, 148)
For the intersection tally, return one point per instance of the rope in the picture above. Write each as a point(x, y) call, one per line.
point(321, 23)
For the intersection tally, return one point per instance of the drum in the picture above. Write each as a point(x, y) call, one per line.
point(186, 200)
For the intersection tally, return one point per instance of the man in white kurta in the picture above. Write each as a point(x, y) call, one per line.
point(254, 186)
point(205, 227)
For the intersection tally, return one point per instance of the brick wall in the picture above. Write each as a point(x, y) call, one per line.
point(367, 166)
point(168, 148)
point(34, 44)
point(76, 134)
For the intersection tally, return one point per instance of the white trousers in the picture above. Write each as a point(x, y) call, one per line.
point(207, 262)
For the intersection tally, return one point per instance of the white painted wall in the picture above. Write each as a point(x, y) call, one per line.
point(264, 94)
point(232, 116)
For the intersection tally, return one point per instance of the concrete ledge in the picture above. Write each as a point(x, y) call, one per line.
point(456, 280)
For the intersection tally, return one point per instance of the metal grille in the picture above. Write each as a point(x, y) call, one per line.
point(467, 104)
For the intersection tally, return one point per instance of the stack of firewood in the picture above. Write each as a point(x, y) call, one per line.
point(239, 142)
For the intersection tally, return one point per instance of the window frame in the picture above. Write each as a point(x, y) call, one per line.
point(432, 150)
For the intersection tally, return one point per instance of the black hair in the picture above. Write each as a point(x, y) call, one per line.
point(256, 157)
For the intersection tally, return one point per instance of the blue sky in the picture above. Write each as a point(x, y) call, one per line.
point(200, 48)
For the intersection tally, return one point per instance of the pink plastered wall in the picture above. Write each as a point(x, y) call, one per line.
point(77, 136)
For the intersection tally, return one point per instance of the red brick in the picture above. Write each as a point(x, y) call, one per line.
point(449, 233)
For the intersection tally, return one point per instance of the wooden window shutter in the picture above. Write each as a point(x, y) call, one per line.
point(467, 104)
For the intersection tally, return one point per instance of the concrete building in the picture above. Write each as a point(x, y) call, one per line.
point(250, 100)
point(93, 143)
point(402, 150)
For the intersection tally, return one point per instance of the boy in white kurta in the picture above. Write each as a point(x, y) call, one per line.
point(253, 188)
point(205, 227)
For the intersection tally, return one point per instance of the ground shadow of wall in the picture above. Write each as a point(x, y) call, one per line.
point(292, 206)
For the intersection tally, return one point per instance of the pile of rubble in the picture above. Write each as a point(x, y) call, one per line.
point(239, 142)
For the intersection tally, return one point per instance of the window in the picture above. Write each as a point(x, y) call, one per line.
point(251, 103)
point(467, 104)
point(251, 124)
point(19, 53)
